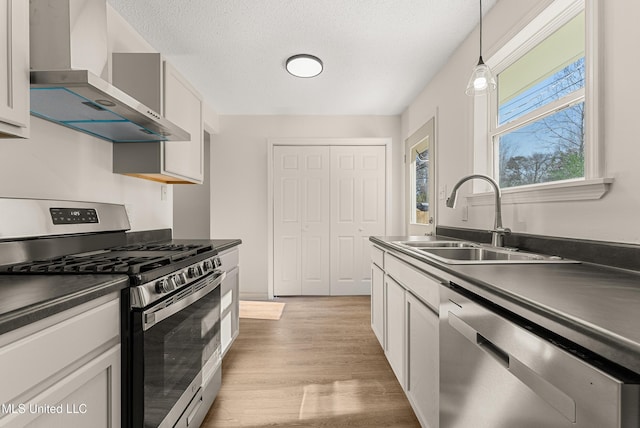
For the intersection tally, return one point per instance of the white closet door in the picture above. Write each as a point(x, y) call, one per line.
point(357, 212)
point(301, 220)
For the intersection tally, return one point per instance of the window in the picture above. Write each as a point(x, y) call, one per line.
point(538, 134)
point(543, 121)
point(420, 182)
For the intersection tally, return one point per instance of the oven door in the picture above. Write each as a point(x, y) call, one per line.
point(173, 341)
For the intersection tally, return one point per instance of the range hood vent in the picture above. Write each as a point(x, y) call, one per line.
point(68, 41)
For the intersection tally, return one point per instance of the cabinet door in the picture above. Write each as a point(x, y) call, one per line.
point(88, 397)
point(377, 302)
point(183, 106)
point(230, 322)
point(394, 316)
point(422, 349)
point(14, 68)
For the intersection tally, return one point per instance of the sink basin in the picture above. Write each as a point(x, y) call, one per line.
point(484, 255)
point(438, 244)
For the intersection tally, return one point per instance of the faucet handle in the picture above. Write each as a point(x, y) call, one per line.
point(497, 236)
point(500, 230)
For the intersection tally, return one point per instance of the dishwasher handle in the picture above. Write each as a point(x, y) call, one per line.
point(535, 382)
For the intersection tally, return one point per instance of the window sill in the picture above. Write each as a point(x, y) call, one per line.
point(570, 190)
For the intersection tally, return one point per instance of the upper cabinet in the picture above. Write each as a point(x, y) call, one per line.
point(157, 84)
point(14, 69)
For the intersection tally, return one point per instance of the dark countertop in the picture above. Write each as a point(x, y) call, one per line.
point(595, 306)
point(25, 299)
point(225, 244)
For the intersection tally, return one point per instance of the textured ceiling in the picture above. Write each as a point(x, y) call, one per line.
point(378, 54)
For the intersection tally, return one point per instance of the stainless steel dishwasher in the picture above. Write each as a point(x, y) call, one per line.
point(498, 371)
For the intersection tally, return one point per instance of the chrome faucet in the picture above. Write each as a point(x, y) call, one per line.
point(498, 232)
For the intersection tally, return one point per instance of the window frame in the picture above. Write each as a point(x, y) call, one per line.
point(594, 184)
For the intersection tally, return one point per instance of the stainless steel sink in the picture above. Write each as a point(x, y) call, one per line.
point(466, 252)
point(489, 255)
point(437, 244)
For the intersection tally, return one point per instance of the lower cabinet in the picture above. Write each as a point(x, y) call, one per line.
point(395, 349)
point(411, 321)
point(230, 303)
point(377, 303)
point(64, 370)
point(423, 380)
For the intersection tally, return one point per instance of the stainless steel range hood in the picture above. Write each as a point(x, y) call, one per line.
point(69, 59)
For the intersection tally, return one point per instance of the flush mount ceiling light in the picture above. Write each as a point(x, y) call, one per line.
point(481, 80)
point(304, 65)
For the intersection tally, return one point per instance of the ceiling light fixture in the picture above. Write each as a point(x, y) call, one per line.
point(481, 80)
point(304, 65)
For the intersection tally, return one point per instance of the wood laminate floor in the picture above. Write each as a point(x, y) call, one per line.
point(320, 365)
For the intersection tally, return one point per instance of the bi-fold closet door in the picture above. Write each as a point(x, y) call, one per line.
point(328, 200)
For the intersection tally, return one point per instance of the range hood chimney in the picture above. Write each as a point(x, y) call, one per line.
point(69, 62)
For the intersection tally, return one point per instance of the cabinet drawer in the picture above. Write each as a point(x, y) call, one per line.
point(87, 397)
point(377, 256)
point(229, 259)
point(53, 348)
point(424, 286)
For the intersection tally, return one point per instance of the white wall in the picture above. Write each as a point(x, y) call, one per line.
point(58, 163)
point(612, 218)
point(239, 177)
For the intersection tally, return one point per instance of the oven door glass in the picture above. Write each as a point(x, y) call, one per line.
point(173, 352)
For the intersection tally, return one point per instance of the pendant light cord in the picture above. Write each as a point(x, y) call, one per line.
point(480, 28)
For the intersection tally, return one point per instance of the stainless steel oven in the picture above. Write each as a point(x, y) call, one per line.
point(170, 313)
point(176, 355)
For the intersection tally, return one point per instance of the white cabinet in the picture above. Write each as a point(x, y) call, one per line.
point(422, 377)
point(378, 294)
point(377, 303)
point(158, 85)
point(395, 349)
point(14, 69)
point(410, 301)
point(230, 300)
point(183, 106)
point(64, 370)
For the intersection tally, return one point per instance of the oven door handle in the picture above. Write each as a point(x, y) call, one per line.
point(153, 316)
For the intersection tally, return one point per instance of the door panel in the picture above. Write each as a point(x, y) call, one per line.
point(328, 200)
point(301, 220)
point(358, 178)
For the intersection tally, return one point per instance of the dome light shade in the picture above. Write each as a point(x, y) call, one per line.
point(481, 80)
point(304, 65)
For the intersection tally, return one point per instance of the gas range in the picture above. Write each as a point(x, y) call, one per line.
point(154, 269)
point(79, 237)
point(170, 318)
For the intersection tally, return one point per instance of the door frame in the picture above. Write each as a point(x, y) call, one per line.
point(272, 142)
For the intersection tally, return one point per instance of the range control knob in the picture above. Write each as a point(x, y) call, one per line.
point(165, 285)
point(207, 265)
point(195, 271)
point(179, 279)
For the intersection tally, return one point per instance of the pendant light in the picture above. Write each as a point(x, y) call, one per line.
point(481, 81)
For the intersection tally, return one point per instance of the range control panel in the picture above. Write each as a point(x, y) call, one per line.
point(73, 215)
